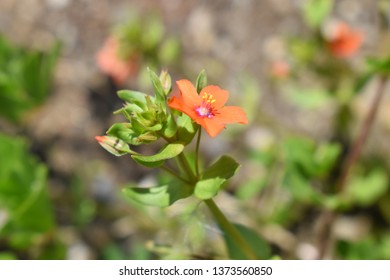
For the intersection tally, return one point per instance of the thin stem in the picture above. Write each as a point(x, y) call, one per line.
point(357, 146)
point(173, 173)
point(197, 152)
point(187, 168)
point(218, 215)
point(230, 230)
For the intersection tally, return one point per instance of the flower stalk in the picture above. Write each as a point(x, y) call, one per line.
point(230, 229)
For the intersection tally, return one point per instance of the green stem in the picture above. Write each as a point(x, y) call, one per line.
point(173, 173)
point(197, 152)
point(231, 230)
point(187, 168)
point(223, 222)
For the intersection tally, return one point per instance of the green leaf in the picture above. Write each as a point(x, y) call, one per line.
point(315, 11)
point(259, 245)
point(169, 151)
point(301, 188)
point(225, 167)
point(23, 194)
point(325, 157)
point(161, 196)
point(186, 129)
point(131, 96)
point(208, 188)
point(25, 78)
point(201, 81)
point(213, 178)
point(158, 87)
point(124, 132)
point(307, 158)
point(366, 190)
point(170, 127)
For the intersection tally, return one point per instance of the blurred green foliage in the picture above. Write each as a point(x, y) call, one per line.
point(25, 78)
point(145, 39)
point(25, 205)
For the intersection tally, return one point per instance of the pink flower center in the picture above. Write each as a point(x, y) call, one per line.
point(206, 109)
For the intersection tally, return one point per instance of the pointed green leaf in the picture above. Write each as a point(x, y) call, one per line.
point(186, 129)
point(129, 109)
point(131, 96)
point(124, 132)
point(259, 245)
point(201, 81)
point(161, 196)
point(214, 177)
point(169, 151)
point(158, 88)
point(170, 127)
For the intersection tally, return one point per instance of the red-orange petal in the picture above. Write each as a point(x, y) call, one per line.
point(178, 104)
point(212, 126)
point(188, 93)
point(231, 114)
point(100, 139)
point(220, 95)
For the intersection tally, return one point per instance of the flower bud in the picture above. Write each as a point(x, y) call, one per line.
point(113, 145)
point(166, 81)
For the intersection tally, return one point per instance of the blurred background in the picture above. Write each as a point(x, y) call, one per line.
point(305, 91)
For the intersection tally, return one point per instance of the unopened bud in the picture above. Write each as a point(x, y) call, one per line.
point(113, 145)
point(166, 81)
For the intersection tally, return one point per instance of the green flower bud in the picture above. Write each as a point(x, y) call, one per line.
point(166, 81)
point(114, 145)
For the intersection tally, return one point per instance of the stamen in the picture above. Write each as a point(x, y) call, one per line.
point(206, 109)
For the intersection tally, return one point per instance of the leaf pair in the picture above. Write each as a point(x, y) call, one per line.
point(162, 196)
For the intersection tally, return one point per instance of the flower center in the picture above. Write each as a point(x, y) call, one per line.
point(206, 109)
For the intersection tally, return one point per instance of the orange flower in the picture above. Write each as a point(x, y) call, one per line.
point(111, 64)
point(344, 41)
point(207, 109)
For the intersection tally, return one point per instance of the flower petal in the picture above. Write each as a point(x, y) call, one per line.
point(178, 103)
point(212, 126)
point(231, 114)
point(220, 95)
point(188, 93)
